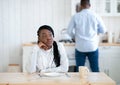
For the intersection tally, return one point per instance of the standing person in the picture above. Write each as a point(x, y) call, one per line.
point(86, 26)
point(48, 55)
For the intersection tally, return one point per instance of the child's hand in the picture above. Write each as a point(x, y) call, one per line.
point(42, 45)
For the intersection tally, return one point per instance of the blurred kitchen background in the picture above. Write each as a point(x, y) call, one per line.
point(20, 20)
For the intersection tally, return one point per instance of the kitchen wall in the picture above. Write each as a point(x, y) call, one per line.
point(20, 19)
point(113, 25)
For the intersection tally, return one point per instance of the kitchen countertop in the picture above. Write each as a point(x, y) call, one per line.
point(109, 44)
point(72, 44)
point(101, 44)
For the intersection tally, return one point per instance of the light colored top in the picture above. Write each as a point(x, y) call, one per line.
point(43, 60)
point(85, 26)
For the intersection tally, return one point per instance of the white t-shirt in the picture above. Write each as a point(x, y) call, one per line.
point(43, 60)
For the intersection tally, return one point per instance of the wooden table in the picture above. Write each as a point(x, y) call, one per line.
point(72, 79)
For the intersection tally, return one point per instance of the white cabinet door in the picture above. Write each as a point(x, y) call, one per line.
point(114, 65)
point(71, 55)
point(114, 68)
point(117, 6)
point(26, 53)
point(110, 61)
point(109, 7)
point(104, 53)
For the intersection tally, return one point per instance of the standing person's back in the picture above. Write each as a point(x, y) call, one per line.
point(87, 26)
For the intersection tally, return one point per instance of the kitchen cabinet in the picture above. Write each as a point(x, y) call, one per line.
point(70, 50)
point(109, 60)
point(71, 54)
point(102, 7)
point(108, 7)
point(114, 68)
point(26, 52)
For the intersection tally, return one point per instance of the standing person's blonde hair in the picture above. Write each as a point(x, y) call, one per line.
point(78, 8)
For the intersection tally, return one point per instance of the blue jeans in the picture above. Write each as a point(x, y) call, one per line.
point(80, 58)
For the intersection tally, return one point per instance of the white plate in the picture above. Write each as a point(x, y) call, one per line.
point(53, 74)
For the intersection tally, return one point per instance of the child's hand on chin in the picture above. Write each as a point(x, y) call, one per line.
point(42, 45)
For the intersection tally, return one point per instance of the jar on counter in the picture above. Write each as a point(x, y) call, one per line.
point(14, 68)
point(110, 37)
point(105, 38)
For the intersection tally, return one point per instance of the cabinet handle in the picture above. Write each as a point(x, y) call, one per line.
point(108, 72)
point(105, 71)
